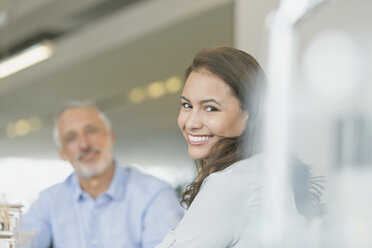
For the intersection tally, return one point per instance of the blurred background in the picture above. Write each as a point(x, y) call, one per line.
point(129, 56)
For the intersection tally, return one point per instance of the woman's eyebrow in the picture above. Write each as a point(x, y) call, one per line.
point(210, 100)
point(203, 101)
point(184, 98)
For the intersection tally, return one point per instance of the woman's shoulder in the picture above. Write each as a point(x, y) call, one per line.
point(249, 168)
point(242, 176)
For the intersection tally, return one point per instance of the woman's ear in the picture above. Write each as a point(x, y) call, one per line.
point(244, 121)
point(245, 117)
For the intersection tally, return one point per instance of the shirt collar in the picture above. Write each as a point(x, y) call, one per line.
point(116, 189)
point(118, 183)
point(79, 193)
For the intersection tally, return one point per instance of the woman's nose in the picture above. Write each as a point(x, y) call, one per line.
point(195, 120)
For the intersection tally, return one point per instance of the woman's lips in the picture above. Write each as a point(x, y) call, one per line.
point(198, 139)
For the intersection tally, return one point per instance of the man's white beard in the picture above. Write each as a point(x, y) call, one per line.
point(90, 171)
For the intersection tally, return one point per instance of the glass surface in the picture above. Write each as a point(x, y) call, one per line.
point(329, 120)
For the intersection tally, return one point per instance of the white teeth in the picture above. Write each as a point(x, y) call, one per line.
point(198, 138)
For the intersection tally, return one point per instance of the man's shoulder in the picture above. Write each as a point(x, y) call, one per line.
point(59, 189)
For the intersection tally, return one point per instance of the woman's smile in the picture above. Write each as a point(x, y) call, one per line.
point(198, 139)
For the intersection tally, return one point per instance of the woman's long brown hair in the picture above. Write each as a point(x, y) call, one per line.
point(246, 79)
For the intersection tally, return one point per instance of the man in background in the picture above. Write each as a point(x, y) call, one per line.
point(101, 204)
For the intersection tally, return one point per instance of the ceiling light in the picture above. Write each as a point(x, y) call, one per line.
point(173, 84)
point(26, 58)
point(156, 89)
point(136, 95)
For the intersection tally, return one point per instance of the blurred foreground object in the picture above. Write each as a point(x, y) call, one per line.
point(10, 218)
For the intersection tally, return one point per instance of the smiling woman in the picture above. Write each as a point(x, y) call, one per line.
point(221, 101)
point(220, 118)
point(209, 112)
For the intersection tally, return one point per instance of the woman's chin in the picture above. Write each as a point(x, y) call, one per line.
point(197, 153)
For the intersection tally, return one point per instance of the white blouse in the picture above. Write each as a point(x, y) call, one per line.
point(225, 211)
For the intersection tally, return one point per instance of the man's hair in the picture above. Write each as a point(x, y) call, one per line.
point(86, 104)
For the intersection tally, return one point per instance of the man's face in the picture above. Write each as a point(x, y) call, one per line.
point(85, 141)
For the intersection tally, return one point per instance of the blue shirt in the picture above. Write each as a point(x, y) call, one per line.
point(135, 212)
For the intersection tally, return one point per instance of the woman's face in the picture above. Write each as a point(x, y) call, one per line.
point(209, 111)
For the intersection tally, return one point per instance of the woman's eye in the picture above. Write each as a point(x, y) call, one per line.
point(186, 105)
point(211, 109)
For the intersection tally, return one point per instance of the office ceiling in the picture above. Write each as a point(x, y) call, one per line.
point(25, 22)
point(102, 55)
